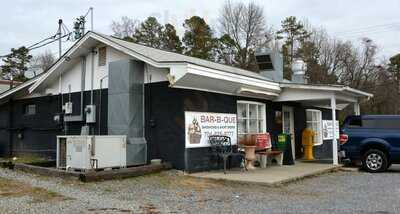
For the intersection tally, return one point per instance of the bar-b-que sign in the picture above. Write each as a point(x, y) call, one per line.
point(200, 125)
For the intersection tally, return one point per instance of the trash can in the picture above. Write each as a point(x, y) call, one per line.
point(284, 145)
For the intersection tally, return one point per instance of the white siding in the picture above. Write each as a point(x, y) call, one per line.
point(72, 76)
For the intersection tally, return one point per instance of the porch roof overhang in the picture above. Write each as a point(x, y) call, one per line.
point(320, 95)
point(207, 79)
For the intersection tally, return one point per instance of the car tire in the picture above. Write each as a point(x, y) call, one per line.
point(375, 160)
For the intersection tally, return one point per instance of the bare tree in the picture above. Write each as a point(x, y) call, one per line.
point(41, 62)
point(125, 27)
point(246, 25)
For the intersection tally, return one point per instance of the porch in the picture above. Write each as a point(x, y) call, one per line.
point(330, 97)
point(270, 176)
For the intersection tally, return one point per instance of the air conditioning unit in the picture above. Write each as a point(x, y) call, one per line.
point(91, 152)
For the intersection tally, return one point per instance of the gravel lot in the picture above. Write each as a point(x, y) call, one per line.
point(171, 192)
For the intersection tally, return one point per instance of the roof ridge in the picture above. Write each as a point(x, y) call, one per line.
point(181, 54)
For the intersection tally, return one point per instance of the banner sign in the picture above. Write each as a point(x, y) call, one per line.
point(327, 133)
point(200, 125)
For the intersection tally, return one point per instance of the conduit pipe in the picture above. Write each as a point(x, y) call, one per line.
point(101, 88)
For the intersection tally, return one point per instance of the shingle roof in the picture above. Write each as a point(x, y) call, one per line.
point(163, 56)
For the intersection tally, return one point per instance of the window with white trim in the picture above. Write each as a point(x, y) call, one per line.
point(314, 122)
point(251, 117)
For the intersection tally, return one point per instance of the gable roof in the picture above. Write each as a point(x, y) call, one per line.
point(162, 56)
point(19, 87)
point(152, 56)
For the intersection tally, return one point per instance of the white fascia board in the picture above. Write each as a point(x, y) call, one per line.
point(302, 95)
point(311, 87)
point(217, 92)
point(133, 53)
point(350, 99)
point(337, 88)
point(216, 74)
point(355, 91)
point(108, 43)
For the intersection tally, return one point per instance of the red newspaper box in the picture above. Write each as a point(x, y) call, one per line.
point(263, 141)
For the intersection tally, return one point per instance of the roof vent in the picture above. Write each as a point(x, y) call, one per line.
point(264, 62)
point(270, 64)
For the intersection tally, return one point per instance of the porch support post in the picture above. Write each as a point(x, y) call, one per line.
point(357, 108)
point(334, 140)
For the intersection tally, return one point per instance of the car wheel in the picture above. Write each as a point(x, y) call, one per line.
point(375, 161)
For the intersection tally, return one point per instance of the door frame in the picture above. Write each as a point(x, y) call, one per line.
point(292, 134)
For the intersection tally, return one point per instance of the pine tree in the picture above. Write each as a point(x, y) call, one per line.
point(149, 33)
point(170, 40)
point(16, 64)
point(198, 38)
point(292, 31)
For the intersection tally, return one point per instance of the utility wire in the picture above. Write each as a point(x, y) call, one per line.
point(368, 27)
point(87, 13)
point(49, 42)
point(37, 43)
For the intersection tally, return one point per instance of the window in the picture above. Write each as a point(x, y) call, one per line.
point(102, 56)
point(314, 122)
point(355, 122)
point(251, 117)
point(30, 109)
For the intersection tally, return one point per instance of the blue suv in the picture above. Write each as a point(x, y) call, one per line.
point(372, 139)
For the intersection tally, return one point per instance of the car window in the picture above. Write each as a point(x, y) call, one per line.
point(355, 122)
point(352, 122)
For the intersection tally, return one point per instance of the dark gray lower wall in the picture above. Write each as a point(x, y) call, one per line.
point(164, 124)
point(22, 134)
point(165, 135)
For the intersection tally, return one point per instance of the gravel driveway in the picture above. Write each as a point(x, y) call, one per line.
point(171, 192)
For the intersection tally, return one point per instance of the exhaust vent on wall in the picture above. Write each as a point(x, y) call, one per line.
point(270, 64)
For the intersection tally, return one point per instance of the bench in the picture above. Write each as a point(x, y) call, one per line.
point(269, 155)
point(265, 153)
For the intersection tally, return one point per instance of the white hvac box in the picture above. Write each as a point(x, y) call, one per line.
point(91, 152)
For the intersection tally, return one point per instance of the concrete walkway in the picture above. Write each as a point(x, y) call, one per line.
point(272, 175)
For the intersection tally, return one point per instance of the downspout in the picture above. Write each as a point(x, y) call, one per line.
point(92, 77)
point(101, 88)
point(83, 79)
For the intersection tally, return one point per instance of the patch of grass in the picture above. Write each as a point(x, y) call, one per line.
point(10, 188)
point(28, 159)
point(178, 181)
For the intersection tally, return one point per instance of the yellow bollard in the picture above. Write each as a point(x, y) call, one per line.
point(308, 143)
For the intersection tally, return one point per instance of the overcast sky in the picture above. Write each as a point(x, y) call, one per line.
point(24, 22)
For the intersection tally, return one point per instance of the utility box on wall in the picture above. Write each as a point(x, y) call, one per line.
point(90, 113)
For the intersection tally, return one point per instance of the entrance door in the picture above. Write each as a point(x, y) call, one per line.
point(288, 125)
